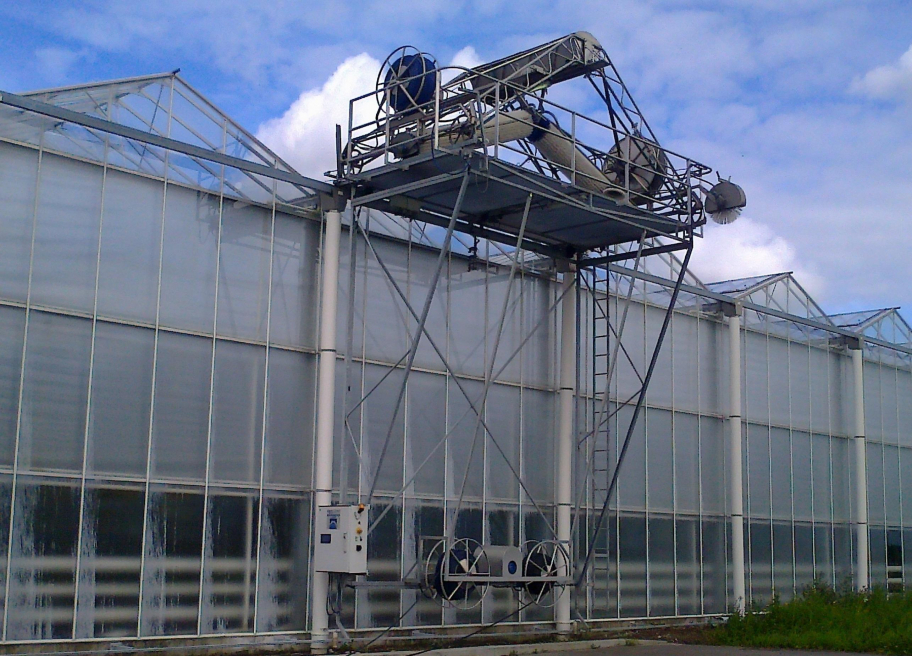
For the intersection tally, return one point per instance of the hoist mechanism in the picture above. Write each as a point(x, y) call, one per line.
point(499, 118)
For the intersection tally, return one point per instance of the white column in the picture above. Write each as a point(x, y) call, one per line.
point(323, 461)
point(861, 471)
point(736, 495)
point(565, 435)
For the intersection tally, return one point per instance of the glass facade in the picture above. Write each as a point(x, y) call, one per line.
point(158, 336)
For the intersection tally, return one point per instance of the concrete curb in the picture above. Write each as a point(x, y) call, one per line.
point(524, 649)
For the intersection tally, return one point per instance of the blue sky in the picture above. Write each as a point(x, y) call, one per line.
point(807, 104)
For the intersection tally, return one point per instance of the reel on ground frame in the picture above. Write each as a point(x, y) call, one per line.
point(458, 573)
point(545, 567)
point(449, 570)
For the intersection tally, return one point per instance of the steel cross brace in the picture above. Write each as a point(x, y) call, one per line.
point(641, 397)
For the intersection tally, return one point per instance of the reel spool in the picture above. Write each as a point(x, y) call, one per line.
point(546, 560)
point(648, 165)
point(408, 79)
point(463, 557)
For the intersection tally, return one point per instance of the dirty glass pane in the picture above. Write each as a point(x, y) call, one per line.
point(244, 262)
point(715, 576)
point(229, 572)
point(539, 446)
point(171, 578)
point(121, 399)
point(112, 530)
point(237, 412)
point(282, 568)
point(660, 460)
point(426, 430)
point(181, 422)
point(502, 417)
point(687, 569)
point(18, 172)
point(43, 560)
point(55, 392)
point(290, 418)
point(463, 462)
point(130, 247)
point(661, 566)
point(632, 569)
point(295, 278)
point(66, 234)
point(760, 539)
point(687, 462)
point(189, 259)
point(12, 332)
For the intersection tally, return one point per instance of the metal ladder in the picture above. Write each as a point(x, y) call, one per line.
point(599, 470)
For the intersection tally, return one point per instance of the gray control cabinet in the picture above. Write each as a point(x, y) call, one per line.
point(340, 542)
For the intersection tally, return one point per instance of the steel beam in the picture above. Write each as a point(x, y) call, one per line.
point(102, 125)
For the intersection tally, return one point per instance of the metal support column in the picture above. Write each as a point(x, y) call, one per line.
point(565, 436)
point(733, 313)
point(323, 460)
point(861, 469)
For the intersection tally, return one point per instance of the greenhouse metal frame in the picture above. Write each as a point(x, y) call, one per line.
point(158, 303)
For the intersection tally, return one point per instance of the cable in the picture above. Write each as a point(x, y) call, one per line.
point(386, 630)
point(457, 641)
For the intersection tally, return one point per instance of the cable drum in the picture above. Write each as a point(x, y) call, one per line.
point(408, 79)
point(463, 557)
point(547, 561)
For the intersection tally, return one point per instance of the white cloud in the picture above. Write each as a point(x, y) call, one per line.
point(888, 82)
point(748, 248)
point(305, 135)
point(467, 58)
point(54, 64)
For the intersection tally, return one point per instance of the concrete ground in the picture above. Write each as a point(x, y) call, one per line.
point(615, 648)
point(671, 649)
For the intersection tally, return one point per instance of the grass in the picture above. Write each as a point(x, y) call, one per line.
point(821, 618)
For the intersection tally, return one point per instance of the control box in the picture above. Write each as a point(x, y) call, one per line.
point(340, 541)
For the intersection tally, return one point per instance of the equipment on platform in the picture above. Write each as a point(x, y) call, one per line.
point(408, 78)
point(430, 119)
point(341, 539)
point(725, 201)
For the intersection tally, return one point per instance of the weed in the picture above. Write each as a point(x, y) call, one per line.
point(824, 618)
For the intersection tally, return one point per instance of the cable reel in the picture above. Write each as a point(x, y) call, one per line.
point(545, 568)
point(449, 573)
point(408, 80)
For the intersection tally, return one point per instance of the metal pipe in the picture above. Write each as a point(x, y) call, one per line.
point(323, 460)
point(735, 458)
point(861, 469)
point(565, 440)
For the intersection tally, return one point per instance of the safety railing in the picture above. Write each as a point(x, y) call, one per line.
point(507, 124)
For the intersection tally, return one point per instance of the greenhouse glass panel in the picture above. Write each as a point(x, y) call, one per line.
point(42, 581)
point(180, 424)
point(55, 392)
point(12, 334)
point(111, 553)
point(121, 399)
point(18, 175)
point(189, 254)
point(66, 234)
point(130, 247)
point(237, 412)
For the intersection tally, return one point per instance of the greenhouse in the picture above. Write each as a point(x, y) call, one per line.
point(160, 297)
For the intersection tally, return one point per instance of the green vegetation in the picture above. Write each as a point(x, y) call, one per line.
point(821, 618)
